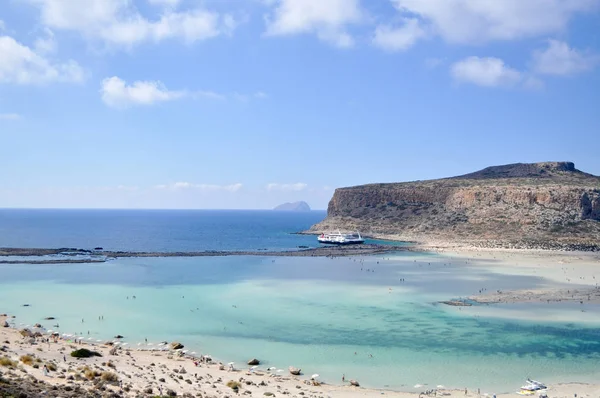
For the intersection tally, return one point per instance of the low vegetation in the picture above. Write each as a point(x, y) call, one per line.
point(109, 377)
point(85, 353)
point(7, 362)
point(27, 359)
point(234, 385)
point(90, 374)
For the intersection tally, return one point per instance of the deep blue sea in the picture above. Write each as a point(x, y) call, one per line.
point(157, 230)
point(373, 318)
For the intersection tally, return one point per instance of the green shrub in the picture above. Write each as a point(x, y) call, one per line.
point(85, 353)
point(51, 366)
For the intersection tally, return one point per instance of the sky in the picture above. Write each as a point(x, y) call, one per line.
point(246, 104)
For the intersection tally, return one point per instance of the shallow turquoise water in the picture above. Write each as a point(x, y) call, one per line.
point(328, 316)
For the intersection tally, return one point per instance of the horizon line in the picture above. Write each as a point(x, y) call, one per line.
point(151, 208)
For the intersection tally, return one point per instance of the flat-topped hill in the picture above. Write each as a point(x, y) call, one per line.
point(541, 202)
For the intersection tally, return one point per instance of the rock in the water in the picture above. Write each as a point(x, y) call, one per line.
point(176, 345)
point(118, 336)
point(254, 361)
point(295, 371)
point(295, 206)
point(6, 324)
point(354, 383)
point(49, 318)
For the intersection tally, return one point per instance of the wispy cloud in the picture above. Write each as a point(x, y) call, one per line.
point(299, 186)
point(182, 185)
point(117, 94)
point(20, 64)
point(561, 60)
point(487, 72)
point(10, 116)
point(326, 19)
point(119, 23)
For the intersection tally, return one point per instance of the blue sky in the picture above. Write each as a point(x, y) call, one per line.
point(250, 103)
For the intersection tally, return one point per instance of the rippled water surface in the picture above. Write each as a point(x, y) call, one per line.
point(352, 316)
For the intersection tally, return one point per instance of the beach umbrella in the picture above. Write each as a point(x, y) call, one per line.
point(418, 385)
point(193, 353)
point(314, 376)
point(230, 363)
point(184, 351)
point(49, 331)
point(440, 386)
point(279, 370)
point(254, 367)
point(139, 344)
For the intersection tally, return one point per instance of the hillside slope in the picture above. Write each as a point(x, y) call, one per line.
point(550, 203)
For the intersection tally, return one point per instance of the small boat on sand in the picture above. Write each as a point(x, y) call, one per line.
point(338, 238)
point(531, 387)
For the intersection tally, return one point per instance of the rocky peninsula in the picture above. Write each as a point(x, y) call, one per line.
point(549, 205)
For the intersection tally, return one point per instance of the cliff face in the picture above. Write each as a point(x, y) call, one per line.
point(550, 201)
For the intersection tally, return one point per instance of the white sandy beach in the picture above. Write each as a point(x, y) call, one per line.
point(141, 372)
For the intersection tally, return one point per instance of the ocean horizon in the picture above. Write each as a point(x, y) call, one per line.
point(374, 318)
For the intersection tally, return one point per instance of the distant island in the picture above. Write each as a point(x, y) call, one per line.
point(549, 205)
point(293, 206)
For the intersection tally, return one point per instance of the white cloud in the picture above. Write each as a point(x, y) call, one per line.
point(487, 72)
point(165, 3)
point(178, 186)
point(560, 59)
point(399, 38)
point(47, 44)
point(19, 64)
point(117, 94)
point(118, 22)
point(476, 21)
point(299, 186)
point(325, 18)
point(10, 116)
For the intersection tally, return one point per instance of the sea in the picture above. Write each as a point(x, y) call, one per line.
point(376, 319)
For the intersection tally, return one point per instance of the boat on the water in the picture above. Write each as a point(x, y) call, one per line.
point(338, 238)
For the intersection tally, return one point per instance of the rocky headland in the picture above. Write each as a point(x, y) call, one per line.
point(549, 205)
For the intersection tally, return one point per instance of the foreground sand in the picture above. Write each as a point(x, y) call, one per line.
point(151, 373)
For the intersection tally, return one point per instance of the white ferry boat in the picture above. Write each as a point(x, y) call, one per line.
point(338, 238)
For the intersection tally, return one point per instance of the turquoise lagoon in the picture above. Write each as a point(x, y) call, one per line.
point(352, 316)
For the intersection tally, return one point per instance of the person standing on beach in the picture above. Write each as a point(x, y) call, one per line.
point(45, 370)
point(343, 378)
